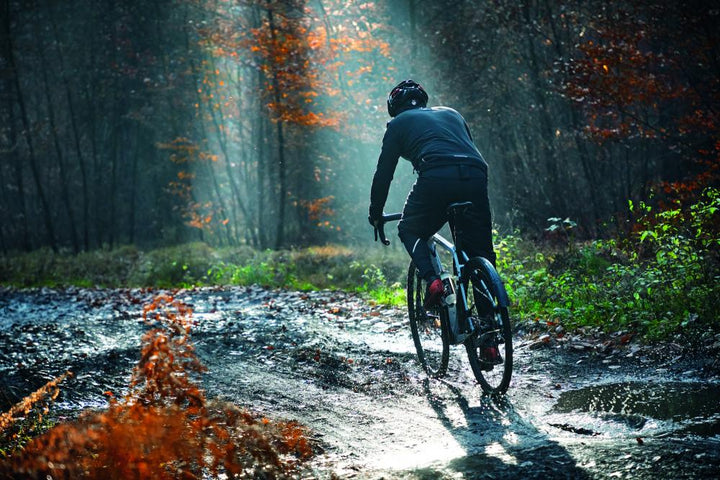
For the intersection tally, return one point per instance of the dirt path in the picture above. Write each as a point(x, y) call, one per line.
point(347, 370)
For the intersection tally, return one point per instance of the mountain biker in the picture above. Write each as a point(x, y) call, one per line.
point(438, 143)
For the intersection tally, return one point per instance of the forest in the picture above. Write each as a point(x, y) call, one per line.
point(165, 159)
point(259, 122)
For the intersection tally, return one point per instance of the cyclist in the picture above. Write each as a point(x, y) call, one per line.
point(438, 143)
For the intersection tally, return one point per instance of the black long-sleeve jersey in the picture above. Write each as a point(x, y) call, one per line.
point(427, 137)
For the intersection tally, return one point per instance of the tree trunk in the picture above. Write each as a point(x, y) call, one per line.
point(227, 228)
point(546, 132)
point(47, 216)
point(97, 202)
point(282, 191)
point(412, 11)
point(263, 172)
point(133, 187)
point(7, 120)
point(76, 137)
point(222, 141)
point(64, 188)
point(114, 152)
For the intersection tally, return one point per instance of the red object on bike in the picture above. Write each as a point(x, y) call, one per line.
point(492, 355)
point(434, 293)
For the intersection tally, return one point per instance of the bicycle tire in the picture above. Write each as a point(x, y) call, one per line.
point(492, 322)
point(429, 327)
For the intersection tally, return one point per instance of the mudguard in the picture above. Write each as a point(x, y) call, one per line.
point(490, 276)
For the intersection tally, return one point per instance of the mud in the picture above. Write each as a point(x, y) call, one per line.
point(346, 369)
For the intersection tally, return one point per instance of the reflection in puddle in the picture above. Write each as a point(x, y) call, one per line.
point(692, 406)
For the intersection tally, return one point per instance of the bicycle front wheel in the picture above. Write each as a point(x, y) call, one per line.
point(428, 326)
point(490, 350)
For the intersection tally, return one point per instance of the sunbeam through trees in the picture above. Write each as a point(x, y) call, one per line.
point(258, 122)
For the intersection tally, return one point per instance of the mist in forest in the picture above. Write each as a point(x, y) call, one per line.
point(259, 122)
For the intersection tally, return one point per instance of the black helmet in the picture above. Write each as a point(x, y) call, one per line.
point(407, 94)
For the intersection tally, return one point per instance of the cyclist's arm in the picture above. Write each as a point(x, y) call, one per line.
point(384, 173)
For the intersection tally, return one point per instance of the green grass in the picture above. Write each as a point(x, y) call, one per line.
point(662, 281)
point(375, 272)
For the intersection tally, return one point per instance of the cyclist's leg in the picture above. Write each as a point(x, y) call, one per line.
point(477, 227)
point(423, 215)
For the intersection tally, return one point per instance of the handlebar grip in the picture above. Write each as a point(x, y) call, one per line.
point(391, 217)
point(381, 226)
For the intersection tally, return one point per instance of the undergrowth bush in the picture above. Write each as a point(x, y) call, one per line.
point(198, 264)
point(164, 427)
point(664, 280)
point(316, 268)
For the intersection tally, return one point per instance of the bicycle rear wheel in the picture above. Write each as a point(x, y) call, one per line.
point(492, 325)
point(429, 327)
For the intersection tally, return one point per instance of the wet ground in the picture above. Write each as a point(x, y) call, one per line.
point(577, 407)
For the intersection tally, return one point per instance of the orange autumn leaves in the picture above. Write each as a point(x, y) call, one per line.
point(308, 56)
point(165, 427)
point(642, 80)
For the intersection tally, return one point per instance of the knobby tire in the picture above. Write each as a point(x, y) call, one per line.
point(429, 327)
point(487, 310)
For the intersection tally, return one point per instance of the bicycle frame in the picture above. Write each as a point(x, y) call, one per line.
point(480, 322)
point(456, 316)
point(437, 239)
point(447, 245)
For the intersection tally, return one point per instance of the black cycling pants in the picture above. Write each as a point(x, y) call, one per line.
point(425, 213)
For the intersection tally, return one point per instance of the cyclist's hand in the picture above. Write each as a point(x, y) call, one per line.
point(377, 224)
point(375, 215)
point(376, 219)
point(379, 227)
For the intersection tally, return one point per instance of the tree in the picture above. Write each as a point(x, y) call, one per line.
point(646, 77)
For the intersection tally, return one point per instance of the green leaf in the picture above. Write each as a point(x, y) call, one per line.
point(647, 233)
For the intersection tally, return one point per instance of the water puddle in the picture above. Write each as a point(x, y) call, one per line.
point(347, 370)
point(657, 408)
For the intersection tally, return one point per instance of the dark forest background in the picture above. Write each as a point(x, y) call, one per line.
point(259, 122)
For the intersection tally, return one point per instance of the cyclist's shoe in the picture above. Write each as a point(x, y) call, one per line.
point(489, 357)
point(434, 293)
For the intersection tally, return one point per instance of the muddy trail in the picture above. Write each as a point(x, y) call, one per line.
point(578, 407)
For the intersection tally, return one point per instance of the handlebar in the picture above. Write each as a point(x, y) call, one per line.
point(380, 227)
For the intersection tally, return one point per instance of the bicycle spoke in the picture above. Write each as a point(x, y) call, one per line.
point(429, 336)
point(490, 349)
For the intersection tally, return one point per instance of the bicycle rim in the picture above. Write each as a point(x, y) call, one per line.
point(493, 329)
point(428, 327)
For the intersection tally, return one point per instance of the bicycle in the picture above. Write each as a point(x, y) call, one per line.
point(474, 311)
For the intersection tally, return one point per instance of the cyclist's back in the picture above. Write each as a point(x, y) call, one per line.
point(450, 169)
point(427, 136)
